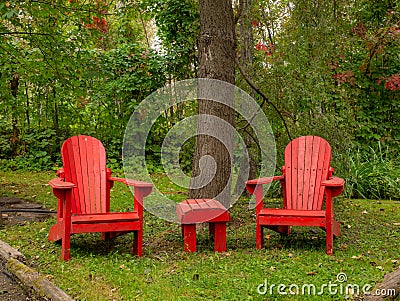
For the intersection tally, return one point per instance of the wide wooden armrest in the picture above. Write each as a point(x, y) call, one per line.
point(58, 183)
point(333, 182)
point(130, 182)
point(335, 186)
point(252, 184)
point(262, 181)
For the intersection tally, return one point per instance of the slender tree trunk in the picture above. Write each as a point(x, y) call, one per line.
point(216, 61)
point(55, 114)
point(14, 83)
point(28, 121)
point(246, 36)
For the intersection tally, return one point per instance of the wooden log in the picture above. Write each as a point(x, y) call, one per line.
point(7, 252)
point(33, 280)
point(387, 290)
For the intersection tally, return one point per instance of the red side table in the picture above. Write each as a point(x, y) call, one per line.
point(193, 211)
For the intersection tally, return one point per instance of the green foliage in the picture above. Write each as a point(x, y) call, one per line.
point(332, 68)
point(38, 150)
point(366, 72)
point(373, 174)
point(71, 68)
point(158, 133)
point(178, 28)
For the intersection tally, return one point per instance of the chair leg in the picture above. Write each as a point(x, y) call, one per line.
point(219, 236)
point(106, 235)
point(329, 239)
point(189, 237)
point(138, 243)
point(259, 236)
point(211, 229)
point(66, 244)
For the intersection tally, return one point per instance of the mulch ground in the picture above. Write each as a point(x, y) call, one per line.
point(15, 211)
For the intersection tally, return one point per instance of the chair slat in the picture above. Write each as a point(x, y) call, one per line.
point(323, 167)
point(308, 187)
point(313, 200)
point(300, 202)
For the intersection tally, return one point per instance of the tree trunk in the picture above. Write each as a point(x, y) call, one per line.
point(28, 121)
point(56, 122)
point(216, 61)
point(14, 83)
point(390, 285)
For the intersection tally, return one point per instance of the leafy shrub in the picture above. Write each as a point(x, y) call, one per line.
point(373, 175)
point(37, 150)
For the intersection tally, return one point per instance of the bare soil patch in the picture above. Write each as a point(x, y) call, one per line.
point(16, 211)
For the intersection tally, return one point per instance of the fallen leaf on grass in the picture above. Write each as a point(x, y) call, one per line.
point(311, 273)
point(357, 257)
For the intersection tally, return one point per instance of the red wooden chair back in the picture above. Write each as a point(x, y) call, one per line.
point(84, 160)
point(307, 164)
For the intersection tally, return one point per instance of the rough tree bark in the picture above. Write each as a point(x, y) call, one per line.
point(216, 61)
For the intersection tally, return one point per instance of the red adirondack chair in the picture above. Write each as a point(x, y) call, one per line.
point(83, 191)
point(306, 181)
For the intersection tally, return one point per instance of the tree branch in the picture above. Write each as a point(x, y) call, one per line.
point(267, 156)
point(239, 11)
point(80, 9)
point(264, 97)
point(25, 32)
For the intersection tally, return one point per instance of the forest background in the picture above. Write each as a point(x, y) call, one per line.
point(327, 68)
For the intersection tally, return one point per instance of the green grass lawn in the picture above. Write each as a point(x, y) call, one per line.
point(368, 249)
